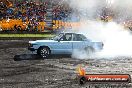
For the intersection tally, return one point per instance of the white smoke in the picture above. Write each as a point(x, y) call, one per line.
point(121, 8)
point(117, 40)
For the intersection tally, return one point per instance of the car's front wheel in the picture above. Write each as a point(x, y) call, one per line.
point(43, 52)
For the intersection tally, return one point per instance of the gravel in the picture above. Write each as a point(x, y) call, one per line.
point(30, 71)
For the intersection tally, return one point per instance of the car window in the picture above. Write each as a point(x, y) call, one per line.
point(67, 37)
point(79, 37)
point(56, 38)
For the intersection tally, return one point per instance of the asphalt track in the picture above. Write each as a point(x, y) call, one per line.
point(19, 68)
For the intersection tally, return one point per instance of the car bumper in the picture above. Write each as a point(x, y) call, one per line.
point(31, 49)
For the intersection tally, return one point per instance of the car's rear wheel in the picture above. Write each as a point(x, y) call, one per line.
point(43, 52)
point(89, 50)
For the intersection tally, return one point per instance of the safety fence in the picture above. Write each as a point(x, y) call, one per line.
point(19, 25)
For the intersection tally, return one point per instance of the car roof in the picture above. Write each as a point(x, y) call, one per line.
point(70, 33)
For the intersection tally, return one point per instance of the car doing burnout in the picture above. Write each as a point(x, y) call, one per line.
point(64, 43)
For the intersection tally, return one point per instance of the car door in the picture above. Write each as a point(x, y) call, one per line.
point(79, 42)
point(64, 44)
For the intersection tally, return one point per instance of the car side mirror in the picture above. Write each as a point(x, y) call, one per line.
point(60, 40)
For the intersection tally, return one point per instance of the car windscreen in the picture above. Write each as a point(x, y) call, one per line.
point(57, 37)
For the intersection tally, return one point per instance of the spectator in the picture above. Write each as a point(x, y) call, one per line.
point(33, 12)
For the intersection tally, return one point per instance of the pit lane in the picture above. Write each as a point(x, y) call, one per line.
point(21, 69)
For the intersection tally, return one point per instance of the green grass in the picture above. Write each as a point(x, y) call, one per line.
point(25, 35)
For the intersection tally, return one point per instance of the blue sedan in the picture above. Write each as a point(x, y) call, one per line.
point(64, 43)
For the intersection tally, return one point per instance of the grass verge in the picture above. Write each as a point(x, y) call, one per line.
point(25, 35)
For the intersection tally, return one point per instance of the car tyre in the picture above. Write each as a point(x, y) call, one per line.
point(44, 52)
point(89, 50)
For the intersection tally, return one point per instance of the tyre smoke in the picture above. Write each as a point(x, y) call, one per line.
point(116, 38)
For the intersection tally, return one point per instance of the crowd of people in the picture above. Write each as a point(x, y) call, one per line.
point(61, 12)
point(25, 10)
point(34, 12)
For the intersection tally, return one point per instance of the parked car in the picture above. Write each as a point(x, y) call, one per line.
point(64, 43)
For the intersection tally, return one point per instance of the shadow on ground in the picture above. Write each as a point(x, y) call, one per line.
point(36, 57)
